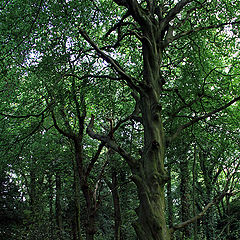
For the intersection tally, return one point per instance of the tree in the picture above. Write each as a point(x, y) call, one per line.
point(175, 60)
point(158, 28)
point(10, 207)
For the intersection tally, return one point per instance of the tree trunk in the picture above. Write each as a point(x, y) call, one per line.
point(194, 173)
point(51, 215)
point(91, 212)
point(116, 204)
point(185, 195)
point(150, 175)
point(90, 199)
point(169, 199)
point(76, 221)
point(207, 170)
point(59, 219)
point(33, 193)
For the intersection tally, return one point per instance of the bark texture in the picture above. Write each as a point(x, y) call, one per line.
point(116, 205)
point(185, 195)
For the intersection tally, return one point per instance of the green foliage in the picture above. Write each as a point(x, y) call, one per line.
point(52, 78)
point(11, 207)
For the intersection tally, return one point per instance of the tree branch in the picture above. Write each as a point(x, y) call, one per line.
point(130, 80)
point(215, 201)
point(172, 39)
point(94, 159)
point(195, 120)
point(135, 10)
point(133, 116)
point(91, 76)
point(118, 25)
point(110, 143)
point(28, 115)
point(174, 11)
point(61, 131)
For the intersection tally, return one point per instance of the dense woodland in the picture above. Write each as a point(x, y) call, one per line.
point(119, 119)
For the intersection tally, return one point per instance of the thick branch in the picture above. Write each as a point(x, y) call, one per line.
point(110, 60)
point(133, 116)
point(135, 10)
point(94, 159)
point(118, 25)
point(75, 99)
point(174, 11)
point(110, 143)
point(81, 117)
point(61, 131)
point(195, 120)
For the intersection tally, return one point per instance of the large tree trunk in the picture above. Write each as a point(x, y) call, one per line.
point(91, 212)
point(150, 176)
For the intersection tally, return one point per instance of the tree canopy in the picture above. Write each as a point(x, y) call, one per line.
point(119, 119)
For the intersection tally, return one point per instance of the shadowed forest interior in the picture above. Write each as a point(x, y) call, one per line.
point(119, 119)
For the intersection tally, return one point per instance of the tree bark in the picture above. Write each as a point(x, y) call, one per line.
point(76, 221)
point(90, 199)
point(185, 195)
point(169, 199)
point(51, 194)
point(194, 173)
point(116, 204)
point(59, 219)
point(207, 170)
point(150, 175)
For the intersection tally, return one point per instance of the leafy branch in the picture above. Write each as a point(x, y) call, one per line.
point(197, 119)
